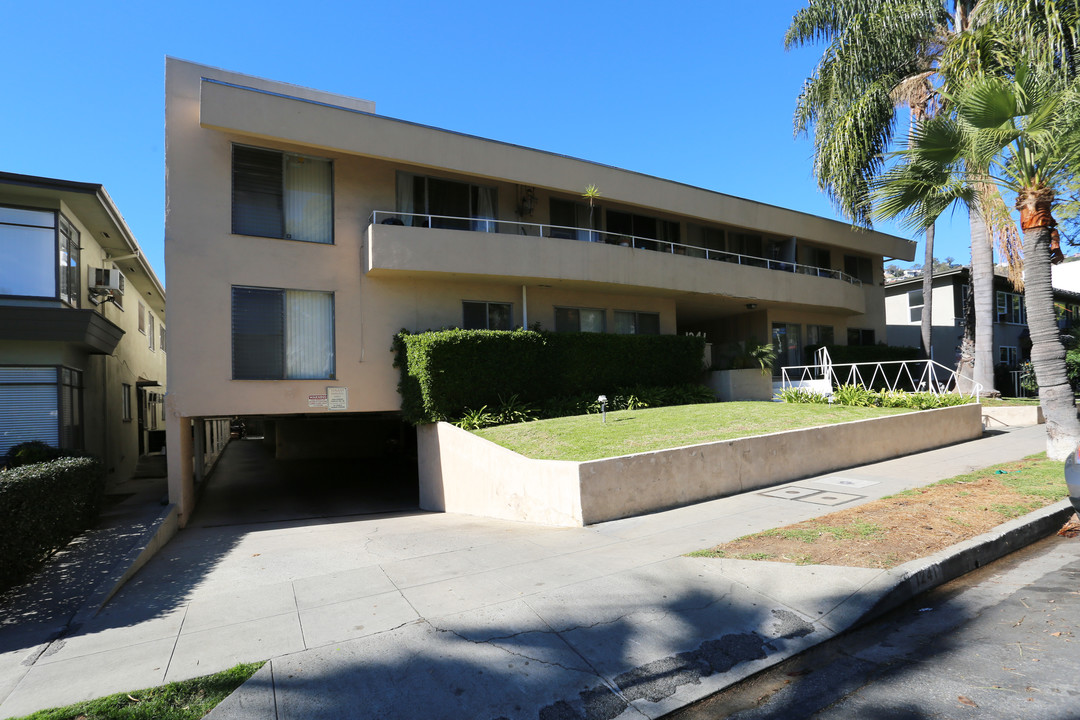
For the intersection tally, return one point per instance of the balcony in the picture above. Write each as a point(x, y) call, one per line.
point(410, 244)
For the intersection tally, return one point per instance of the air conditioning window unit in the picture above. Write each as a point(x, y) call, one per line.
point(107, 281)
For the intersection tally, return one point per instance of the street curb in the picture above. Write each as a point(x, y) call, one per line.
point(917, 576)
point(161, 530)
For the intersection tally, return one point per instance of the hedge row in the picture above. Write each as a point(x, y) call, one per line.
point(43, 506)
point(444, 372)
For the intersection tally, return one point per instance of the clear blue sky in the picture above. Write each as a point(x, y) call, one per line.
point(698, 92)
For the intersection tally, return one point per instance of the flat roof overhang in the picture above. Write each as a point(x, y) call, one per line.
point(260, 113)
point(83, 328)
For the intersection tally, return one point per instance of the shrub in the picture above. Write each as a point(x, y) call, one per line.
point(34, 451)
point(855, 395)
point(802, 395)
point(445, 372)
point(43, 506)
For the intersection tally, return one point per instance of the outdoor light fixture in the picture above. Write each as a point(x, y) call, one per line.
point(751, 306)
point(603, 407)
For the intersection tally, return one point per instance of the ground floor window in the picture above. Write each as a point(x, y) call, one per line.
point(579, 320)
point(40, 403)
point(125, 402)
point(282, 334)
point(637, 323)
point(787, 337)
point(487, 315)
point(1007, 355)
point(860, 336)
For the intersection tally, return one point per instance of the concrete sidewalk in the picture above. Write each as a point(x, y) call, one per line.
point(438, 615)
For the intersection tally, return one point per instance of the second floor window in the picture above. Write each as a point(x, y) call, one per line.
point(33, 243)
point(282, 334)
point(443, 203)
point(1010, 308)
point(282, 195)
point(915, 305)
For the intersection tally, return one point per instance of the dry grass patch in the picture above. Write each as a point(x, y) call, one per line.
point(911, 524)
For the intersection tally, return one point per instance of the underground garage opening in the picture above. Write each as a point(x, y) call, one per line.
point(280, 468)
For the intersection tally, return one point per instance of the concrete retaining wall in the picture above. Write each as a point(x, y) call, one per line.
point(1020, 416)
point(460, 472)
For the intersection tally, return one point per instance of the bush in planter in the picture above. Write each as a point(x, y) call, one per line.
point(43, 506)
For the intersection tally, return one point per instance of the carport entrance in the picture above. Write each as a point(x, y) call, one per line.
point(250, 484)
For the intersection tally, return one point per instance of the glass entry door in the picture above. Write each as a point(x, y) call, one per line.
point(787, 338)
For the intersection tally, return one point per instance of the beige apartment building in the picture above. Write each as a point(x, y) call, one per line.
point(304, 230)
point(82, 331)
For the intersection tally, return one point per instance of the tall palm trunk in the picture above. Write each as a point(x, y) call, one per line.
point(928, 295)
point(982, 279)
point(1047, 352)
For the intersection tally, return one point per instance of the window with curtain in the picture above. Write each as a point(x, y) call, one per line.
point(637, 323)
point(450, 204)
point(487, 315)
point(282, 195)
point(579, 319)
point(282, 334)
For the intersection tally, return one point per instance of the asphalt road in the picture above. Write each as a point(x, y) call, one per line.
point(1001, 642)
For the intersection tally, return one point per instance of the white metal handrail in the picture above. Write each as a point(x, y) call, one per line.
point(923, 375)
point(587, 235)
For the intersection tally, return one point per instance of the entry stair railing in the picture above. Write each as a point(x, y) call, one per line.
point(918, 375)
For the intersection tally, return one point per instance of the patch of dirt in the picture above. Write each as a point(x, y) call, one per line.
point(891, 531)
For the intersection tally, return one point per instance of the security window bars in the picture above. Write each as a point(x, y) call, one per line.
point(637, 323)
point(579, 319)
point(486, 315)
point(282, 334)
point(282, 195)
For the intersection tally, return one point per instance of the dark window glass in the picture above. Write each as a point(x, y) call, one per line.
point(258, 192)
point(859, 268)
point(258, 320)
point(474, 315)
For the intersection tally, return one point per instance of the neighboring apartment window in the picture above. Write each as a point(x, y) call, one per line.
point(819, 257)
point(442, 203)
point(282, 334)
point(150, 331)
point(1010, 308)
point(32, 244)
point(859, 267)
point(142, 318)
point(860, 336)
point(915, 305)
point(1007, 355)
point(637, 323)
point(161, 338)
point(642, 226)
point(125, 402)
point(70, 286)
point(487, 315)
point(282, 195)
point(71, 435)
point(579, 319)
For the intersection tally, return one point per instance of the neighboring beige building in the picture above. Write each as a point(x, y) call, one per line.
point(82, 351)
point(303, 231)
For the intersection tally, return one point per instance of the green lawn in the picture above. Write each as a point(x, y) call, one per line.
point(584, 437)
point(185, 700)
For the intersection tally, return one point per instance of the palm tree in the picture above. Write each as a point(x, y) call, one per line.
point(882, 56)
point(1020, 136)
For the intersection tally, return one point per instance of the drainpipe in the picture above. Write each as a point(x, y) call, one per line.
point(524, 309)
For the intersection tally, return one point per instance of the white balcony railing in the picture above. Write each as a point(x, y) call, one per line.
point(919, 375)
point(386, 217)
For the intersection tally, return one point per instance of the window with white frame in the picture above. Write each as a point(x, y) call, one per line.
point(1007, 355)
point(282, 195)
point(637, 323)
point(486, 315)
point(915, 305)
point(568, 319)
point(142, 318)
point(282, 334)
point(32, 243)
point(150, 331)
point(1010, 308)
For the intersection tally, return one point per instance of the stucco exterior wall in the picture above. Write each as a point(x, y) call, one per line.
point(460, 472)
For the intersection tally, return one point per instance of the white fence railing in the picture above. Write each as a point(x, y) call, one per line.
point(918, 375)
point(386, 217)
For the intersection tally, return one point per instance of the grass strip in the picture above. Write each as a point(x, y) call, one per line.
point(910, 524)
point(184, 700)
point(586, 437)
